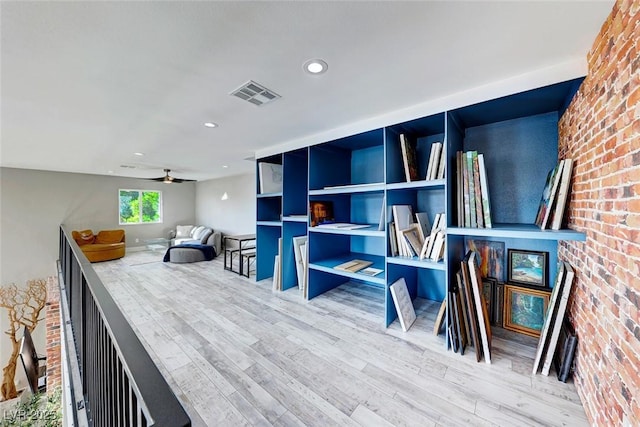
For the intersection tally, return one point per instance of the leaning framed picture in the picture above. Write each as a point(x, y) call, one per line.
point(525, 309)
point(491, 255)
point(528, 268)
point(489, 291)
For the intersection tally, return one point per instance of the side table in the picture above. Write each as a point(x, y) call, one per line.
point(240, 242)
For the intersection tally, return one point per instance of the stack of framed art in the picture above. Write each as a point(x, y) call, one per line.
point(467, 311)
point(526, 293)
point(554, 196)
point(553, 319)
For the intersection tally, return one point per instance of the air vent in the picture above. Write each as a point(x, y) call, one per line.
point(127, 166)
point(255, 93)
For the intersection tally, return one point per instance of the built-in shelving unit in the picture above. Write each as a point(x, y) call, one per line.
point(363, 176)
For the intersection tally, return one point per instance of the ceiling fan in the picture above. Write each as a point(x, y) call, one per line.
point(168, 179)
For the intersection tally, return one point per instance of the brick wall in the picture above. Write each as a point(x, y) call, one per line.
point(52, 323)
point(601, 132)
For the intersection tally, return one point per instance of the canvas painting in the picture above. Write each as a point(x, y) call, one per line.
point(321, 212)
point(270, 175)
point(299, 255)
point(527, 267)
point(491, 256)
point(403, 303)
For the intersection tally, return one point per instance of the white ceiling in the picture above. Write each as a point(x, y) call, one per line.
point(84, 85)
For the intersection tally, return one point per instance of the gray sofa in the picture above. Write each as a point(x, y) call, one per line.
point(198, 235)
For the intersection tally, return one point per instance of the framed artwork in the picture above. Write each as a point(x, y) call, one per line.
point(270, 175)
point(525, 309)
point(491, 257)
point(402, 302)
point(528, 268)
point(489, 292)
point(321, 212)
point(298, 254)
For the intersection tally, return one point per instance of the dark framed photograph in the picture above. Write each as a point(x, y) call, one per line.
point(489, 292)
point(528, 268)
point(524, 309)
point(321, 212)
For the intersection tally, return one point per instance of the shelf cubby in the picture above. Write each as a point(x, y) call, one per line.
point(424, 283)
point(269, 208)
point(294, 184)
point(423, 132)
point(354, 160)
point(267, 244)
point(289, 272)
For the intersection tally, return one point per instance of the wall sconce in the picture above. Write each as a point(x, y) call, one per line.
point(225, 196)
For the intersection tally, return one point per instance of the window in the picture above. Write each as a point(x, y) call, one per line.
point(140, 207)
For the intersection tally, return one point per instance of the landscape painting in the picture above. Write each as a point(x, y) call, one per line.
point(525, 309)
point(528, 268)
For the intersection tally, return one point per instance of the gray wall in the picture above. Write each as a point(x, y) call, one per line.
point(34, 203)
point(237, 214)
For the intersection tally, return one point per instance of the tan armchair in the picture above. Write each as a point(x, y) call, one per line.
point(106, 245)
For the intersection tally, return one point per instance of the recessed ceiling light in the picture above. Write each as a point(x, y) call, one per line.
point(138, 154)
point(211, 125)
point(109, 171)
point(315, 66)
point(225, 166)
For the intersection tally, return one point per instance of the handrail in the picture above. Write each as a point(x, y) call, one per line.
point(121, 383)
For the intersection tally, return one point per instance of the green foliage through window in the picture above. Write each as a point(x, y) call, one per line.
point(140, 207)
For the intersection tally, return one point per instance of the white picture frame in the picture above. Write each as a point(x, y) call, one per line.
point(270, 175)
point(298, 242)
point(402, 302)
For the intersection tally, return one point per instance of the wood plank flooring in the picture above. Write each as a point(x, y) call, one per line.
point(237, 354)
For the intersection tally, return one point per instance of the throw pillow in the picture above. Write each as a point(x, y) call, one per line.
point(183, 230)
point(205, 235)
point(84, 237)
point(196, 232)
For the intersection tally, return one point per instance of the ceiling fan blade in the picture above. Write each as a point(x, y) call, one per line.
point(168, 179)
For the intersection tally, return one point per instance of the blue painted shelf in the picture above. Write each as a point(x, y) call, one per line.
point(302, 218)
point(269, 195)
point(520, 231)
point(349, 189)
point(363, 175)
point(435, 184)
point(416, 262)
point(327, 265)
point(269, 223)
point(371, 230)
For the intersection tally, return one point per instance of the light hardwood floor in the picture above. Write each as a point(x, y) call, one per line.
point(235, 353)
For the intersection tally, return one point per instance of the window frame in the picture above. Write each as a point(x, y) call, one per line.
point(140, 219)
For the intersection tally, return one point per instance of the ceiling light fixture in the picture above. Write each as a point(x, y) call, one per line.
point(225, 166)
point(138, 154)
point(225, 196)
point(211, 125)
point(315, 66)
